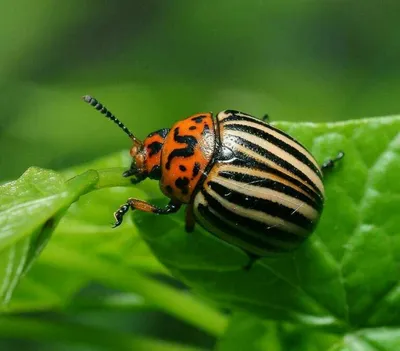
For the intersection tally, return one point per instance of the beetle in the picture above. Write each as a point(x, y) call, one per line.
point(241, 179)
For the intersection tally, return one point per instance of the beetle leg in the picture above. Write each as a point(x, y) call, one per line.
point(252, 259)
point(138, 177)
point(143, 206)
point(265, 118)
point(189, 219)
point(331, 163)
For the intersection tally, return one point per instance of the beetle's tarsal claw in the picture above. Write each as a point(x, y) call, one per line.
point(250, 263)
point(119, 214)
point(339, 156)
point(116, 224)
point(331, 163)
point(128, 173)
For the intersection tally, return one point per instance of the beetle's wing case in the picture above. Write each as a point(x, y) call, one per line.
point(264, 192)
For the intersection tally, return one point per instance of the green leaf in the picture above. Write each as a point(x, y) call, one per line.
point(84, 228)
point(243, 333)
point(29, 210)
point(246, 332)
point(346, 276)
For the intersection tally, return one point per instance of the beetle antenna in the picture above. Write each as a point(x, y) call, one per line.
point(100, 107)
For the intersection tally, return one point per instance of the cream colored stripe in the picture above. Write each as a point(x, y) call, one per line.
point(279, 136)
point(272, 164)
point(262, 174)
point(262, 217)
point(222, 115)
point(224, 234)
point(269, 194)
point(282, 154)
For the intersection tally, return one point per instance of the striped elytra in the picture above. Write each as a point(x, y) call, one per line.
point(243, 180)
point(263, 192)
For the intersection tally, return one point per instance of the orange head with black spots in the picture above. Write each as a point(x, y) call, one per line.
point(149, 158)
point(178, 157)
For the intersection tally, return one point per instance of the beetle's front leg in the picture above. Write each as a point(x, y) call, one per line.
point(143, 206)
point(138, 176)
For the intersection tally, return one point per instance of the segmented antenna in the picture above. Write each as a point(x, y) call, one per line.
point(100, 107)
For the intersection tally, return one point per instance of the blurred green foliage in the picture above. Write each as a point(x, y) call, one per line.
point(154, 62)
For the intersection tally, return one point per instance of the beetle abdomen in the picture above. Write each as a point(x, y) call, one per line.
point(264, 192)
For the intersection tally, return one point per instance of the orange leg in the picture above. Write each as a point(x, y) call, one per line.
point(189, 219)
point(143, 206)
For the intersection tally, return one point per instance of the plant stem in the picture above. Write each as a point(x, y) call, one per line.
point(110, 177)
point(23, 328)
point(177, 303)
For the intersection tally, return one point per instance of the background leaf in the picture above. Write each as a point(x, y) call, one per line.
point(247, 332)
point(29, 211)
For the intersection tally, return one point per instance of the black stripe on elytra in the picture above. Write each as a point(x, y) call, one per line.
point(162, 133)
point(198, 119)
point(188, 151)
point(196, 169)
point(155, 172)
point(154, 148)
point(278, 142)
point(265, 182)
point(211, 219)
point(248, 118)
point(263, 230)
point(278, 160)
point(269, 207)
point(245, 161)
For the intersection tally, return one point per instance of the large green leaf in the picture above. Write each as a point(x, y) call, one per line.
point(346, 276)
point(85, 228)
point(30, 207)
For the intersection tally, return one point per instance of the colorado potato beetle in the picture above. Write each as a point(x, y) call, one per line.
point(242, 179)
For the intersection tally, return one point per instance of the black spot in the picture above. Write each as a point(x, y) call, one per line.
point(192, 128)
point(196, 169)
point(162, 133)
point(169, 189)
point(154, 148)
point(182, 184)
point(206, 129)
point(182, 168)
point(198, 119)
point(155, 172)
point(188, 151)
